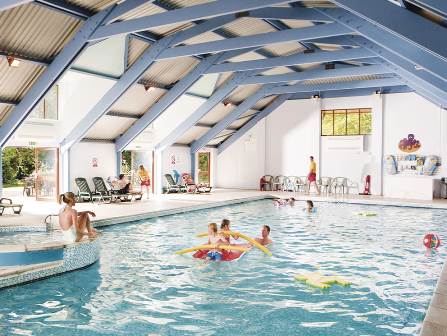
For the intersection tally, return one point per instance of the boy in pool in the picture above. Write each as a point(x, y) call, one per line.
point(214, 238)
point(265, 240)
point(309, 206)
point(284, 201)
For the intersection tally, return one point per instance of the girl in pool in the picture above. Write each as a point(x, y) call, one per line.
point(214, 238)
point(225, 226)
point(309, 206)
point(74, 224)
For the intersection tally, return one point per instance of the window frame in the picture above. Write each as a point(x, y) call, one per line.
point(358, 111)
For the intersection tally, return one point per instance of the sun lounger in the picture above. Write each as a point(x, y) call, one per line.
point(188, 181)
point(116, 194)
point(85, 193)
point(172, 186)
point(7, 203)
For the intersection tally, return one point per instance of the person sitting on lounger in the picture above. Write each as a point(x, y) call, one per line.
point(265, 240)
point(121, 185)
point(74, 224)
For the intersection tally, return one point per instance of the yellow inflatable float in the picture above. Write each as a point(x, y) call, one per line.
point(211, 247)
point(367, 214)
point(247, 238)
point(321, 281)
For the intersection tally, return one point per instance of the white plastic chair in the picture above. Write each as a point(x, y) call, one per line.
point(351, 185)
point(339, 184)
point(325, 184)
point(278, 182)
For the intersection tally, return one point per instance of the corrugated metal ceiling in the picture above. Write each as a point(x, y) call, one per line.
point(169, 71)
point(109, 128)
point(242, 92)
point(4, 112)
point(136, 101)
point(93, 5)
point(34, 31)
point(192, 134)
point(136, 48)
point(340, 79)
point(216, 114)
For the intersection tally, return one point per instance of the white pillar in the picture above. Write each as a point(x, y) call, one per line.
point(318, 154)
point(377, 102)
point(65, 179)
point(158, 173)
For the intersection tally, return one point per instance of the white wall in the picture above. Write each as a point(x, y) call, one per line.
point(81, 157)
point(243, 163)
point(182, 164)
point(292, 135)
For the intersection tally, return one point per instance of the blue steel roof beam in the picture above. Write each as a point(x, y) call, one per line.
point(429, 86)
point(400, 31)
point(296, 59)
point(125, 7)
point(438, 7)
point(231, 117)
point(218, 96)
point(358, 84)
point(182, 15)
point(129, 77)
point(8, 4)
point(51, 75)
point(169, 98)
point(299, 34)
point(252, 122)
point(353, 92)
point(319, 74)
point(284, 13)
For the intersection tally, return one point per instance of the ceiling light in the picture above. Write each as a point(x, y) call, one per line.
point(12, 61)
point(228, 104)
point(149, 88)
point(378, 92)
point(316, 96)
point(418, 67)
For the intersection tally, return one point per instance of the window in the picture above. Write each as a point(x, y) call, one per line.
point(346, 122)
point(47, 108)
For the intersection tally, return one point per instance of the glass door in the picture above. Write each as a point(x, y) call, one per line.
point(204, 168)
point(131, 161)
point(47, 174)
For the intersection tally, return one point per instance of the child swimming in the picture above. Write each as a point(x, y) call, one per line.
point(284, 201)
point(214, 239)
point(309, 206)
point(225, 226)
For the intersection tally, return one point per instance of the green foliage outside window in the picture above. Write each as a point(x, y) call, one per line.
point(17, 163)
point(346, 122)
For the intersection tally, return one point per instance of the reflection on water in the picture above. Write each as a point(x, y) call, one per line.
point(140, 288)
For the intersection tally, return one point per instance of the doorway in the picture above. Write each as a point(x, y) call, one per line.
point(130, 162)
point(204, 169)
point(47, 174)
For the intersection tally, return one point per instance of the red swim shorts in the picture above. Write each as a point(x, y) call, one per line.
point(312, 177)
point(146, 183)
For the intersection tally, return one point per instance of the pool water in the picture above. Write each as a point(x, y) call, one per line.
point(140, 287)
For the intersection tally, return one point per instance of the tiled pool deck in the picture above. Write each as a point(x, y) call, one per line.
point(33, 215)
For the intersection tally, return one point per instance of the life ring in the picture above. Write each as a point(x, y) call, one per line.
point(247, 238)
point(211, 247)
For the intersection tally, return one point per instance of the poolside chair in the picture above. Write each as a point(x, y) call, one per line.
point(291, 185)
point(339, 184)
point(101, 188)
point(115, 194)
point(325, 184)
point(6, 203)
point(352, 185)
point(84, 191)
point(301, 183)
point(172, 186)
point(278, 182)
point(266, 183)
point(188, 181)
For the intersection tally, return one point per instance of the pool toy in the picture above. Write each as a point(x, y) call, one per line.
point(227, 255)
point(247, 238)
point(367, 214)
point(390, 164)
point(321, 281)
point(213, 246)
point(431, 240)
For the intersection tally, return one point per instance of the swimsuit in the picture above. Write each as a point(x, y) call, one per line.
point(69, 235)
point(214, 255)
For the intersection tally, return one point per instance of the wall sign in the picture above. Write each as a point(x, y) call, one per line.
point(94, 162)
point(409, 144)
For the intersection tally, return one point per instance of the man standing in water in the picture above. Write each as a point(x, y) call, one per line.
point(265, 240)
point(312, 176)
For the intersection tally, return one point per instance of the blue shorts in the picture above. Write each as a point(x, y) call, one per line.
point(214, 256)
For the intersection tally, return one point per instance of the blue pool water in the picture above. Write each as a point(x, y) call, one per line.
point(140, 288)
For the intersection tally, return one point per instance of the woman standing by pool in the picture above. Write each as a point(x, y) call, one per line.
point(144, 179)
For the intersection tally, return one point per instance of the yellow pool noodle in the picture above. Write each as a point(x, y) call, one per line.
point(321, 281)
point(212, 246)
point(247, 238)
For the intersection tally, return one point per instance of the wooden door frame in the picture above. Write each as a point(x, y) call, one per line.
point(209, 165)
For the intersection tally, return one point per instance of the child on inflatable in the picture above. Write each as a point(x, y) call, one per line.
point(225, 226)
point(214, 238)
